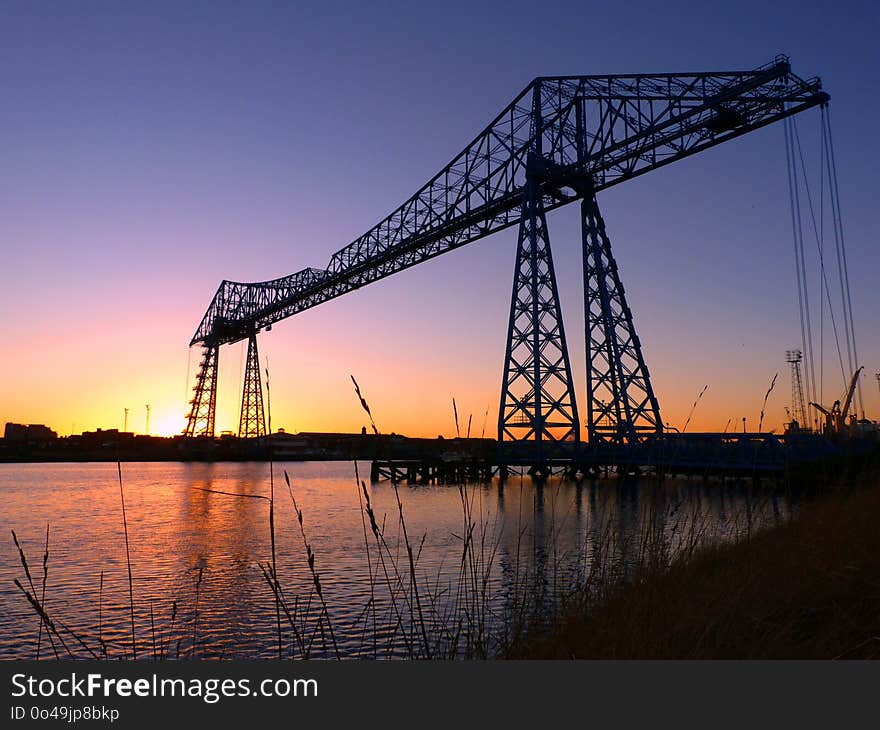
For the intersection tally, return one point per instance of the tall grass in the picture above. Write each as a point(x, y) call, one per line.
point(807, 589)
point(127, 561)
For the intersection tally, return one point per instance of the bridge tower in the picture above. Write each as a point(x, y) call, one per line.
point(621, 405)
point(252, 423)
point(537, 392)
point(204, 402)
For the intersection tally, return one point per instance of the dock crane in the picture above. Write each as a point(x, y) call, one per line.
point(835, 416)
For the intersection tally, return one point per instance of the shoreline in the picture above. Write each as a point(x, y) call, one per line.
point(806, 589)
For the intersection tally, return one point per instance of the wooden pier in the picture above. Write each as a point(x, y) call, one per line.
point(754, 455)
point(433, 471)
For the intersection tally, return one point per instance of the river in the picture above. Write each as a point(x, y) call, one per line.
point(198, 534)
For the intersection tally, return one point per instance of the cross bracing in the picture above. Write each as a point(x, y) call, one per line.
point(562, 139)
point(631, 124)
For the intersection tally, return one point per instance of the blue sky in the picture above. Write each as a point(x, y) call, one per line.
point(150, 150)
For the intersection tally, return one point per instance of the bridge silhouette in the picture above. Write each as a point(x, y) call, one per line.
point(561, 140)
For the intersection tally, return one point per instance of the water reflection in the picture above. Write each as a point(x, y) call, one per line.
point(530, 544)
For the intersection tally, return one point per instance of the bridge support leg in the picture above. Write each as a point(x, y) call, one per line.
point(621, 406)
point(203, 404)
point(537, 393)
point(252, 423)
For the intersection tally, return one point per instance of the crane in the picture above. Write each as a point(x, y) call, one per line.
point(563, 139)
point(835, 416)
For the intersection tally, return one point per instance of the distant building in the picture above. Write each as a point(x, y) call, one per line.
point(101, 437)
point(33, 433)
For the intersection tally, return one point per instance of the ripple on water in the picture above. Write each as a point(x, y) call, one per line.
point(176, 529)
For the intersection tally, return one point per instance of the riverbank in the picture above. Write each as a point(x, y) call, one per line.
point(113, 445)
point(808, 589)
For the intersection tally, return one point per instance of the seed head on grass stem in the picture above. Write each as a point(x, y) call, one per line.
point(372, 603)
point(275, 586)
point(101, 615)
point(312, 570)
point(764, 404)
point(195, 640)
point(153, 631)
point(170, 631)
point(37, 606)
point(272, 516)
point(364, 405)
point(51, 625)
point(412, 572)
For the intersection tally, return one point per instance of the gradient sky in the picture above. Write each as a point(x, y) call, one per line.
point(148, 151)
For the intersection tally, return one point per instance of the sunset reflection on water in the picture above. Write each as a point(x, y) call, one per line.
point(184, 518)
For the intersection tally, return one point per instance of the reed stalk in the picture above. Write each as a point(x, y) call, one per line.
point(272, 516)
point(195, 640)
point(127, 561)
point(310, 558)
point(153, 630)
point(43, 593)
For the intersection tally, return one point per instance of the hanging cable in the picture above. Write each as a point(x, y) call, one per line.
point(797, 236)
point(841, 243)
point(796, 146)
point(843, 374)
point(186, 382)
point(241, 369)
point(822, 288)
point(840, 269)
point(797, 263)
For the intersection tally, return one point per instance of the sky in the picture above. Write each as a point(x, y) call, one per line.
point(150, 150)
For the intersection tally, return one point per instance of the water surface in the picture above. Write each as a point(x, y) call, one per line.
point(180, 526)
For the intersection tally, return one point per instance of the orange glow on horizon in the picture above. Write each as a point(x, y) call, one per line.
point(410, 361)
point(409, 390)
point(402, 402)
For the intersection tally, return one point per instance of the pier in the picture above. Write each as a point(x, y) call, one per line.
point(753, 455)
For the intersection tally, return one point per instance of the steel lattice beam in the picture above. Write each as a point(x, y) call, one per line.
point(621, 405)
point(604, 128)
point(252, 422)
point(537, 393)
point(203, 406)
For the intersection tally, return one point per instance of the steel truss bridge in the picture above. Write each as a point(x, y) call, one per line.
point(562, 140)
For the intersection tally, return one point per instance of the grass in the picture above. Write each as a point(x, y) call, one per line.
point(808, 589)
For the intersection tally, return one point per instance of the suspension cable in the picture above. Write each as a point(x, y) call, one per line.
point(186, 381)
point(840, 269)
point(845, 287)
point(797, 236)
point(843, 374)
point(823, 289)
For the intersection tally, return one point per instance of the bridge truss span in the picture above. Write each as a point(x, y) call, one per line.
point(562, 139)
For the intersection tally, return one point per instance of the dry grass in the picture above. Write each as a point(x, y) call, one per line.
point(809, 589)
